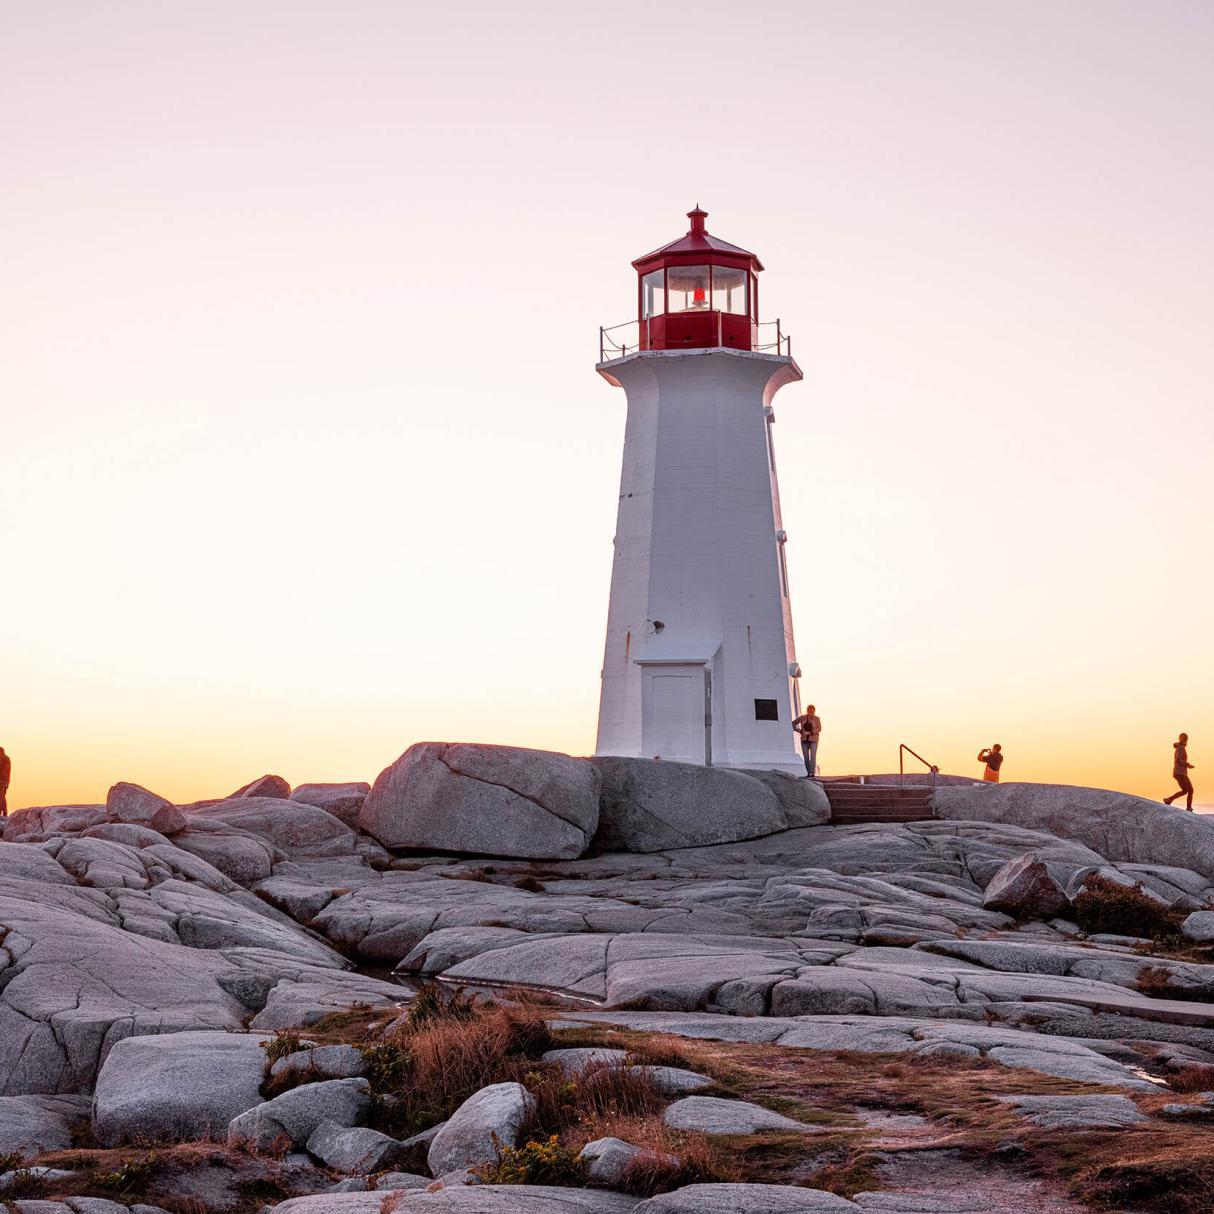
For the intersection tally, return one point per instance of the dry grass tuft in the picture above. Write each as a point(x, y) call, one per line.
point(1192, 1078)
point(1107, 906)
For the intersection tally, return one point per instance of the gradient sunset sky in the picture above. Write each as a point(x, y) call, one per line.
point(303, 457)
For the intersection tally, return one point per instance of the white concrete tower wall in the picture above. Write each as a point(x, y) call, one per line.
point(699, 623)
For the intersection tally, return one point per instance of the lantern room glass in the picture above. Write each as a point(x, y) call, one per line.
point(687, 288)
point(653, 294)
point(729, 290)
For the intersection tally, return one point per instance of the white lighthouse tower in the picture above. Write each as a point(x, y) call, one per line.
point(699, 664)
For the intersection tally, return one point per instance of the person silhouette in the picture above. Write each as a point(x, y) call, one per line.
point(6, 771)
point(992, 756)
point(809, 726)
point(1180, 772)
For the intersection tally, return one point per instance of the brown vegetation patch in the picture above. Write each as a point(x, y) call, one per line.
point(1124, 910)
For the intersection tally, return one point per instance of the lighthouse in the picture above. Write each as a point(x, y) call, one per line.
point(699, 664)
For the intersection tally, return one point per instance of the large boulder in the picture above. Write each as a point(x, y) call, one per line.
point(296, 1115)
point(176, 1086)
point(32, 1125)
point(136, 805)
point(485, 800)
point(343, 801)
point(649, 805)
point(293, 827)
point(40, 822)
point(485, 1122)
point(265, 786)
point(1025, 888)
point(1114, 824)
point(803, 801)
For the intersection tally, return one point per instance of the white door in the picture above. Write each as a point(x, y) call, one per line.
point(674, 713)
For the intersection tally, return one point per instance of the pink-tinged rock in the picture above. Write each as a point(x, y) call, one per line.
point(265, 786)
point(45, 821)
point(1024, 887)
point(137, 806)
point(343, 801)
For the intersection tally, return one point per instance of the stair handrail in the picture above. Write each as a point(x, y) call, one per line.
point(902, 747)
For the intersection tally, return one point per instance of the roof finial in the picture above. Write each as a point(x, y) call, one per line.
point(697, 218)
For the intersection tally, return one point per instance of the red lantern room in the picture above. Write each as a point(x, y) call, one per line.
point(698, 292)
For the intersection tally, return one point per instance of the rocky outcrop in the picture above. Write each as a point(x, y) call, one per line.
point(177, 1086)
point(1115, 825)
point(137, 806)
point(485, 800)
point(485, 1122)
point(274, 787)
point(608, 1160)
point(30, 1125)
point(295, 1116)
point(343, 801)
point(1025, 888)
point(715, 1115)
point(650, 806)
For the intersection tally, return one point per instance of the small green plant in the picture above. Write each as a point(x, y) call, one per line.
point(283, 1045)
point(130, 1175)
point(11, 1161)
point(539, 1163)
point(386, 1066)
point(24, 1182)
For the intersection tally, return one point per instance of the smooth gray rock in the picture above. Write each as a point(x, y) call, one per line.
point(746, 1199)
point(469, 1199)
point(296, 1114)
point(494, 1115)
point(359, 1149)
point(1077, 1112)
point(137, 806)
point(343, 801)
point(402, 1180)
point(1025, 888)
point(673, 1080)
point(32, 1125)
point(485, 800)
point(803, 801)
point(649, 806)
point(176, 1086)
point(72, 983)
point(1199, 927)
point(575, 1061)
point(320, 1062)
point(241, 856)
point(299, 1004)
point(1115, 825)
point(715, 1115)
point(607, 1160)
point(298, 830)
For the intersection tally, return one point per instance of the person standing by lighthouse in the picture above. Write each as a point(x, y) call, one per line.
point(699, 664)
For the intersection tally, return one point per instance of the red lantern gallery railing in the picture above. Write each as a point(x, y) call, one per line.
point(619, 341)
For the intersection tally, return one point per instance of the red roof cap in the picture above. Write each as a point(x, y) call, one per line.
point(698, 240)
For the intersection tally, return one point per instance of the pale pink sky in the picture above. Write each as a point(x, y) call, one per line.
point(303, 457)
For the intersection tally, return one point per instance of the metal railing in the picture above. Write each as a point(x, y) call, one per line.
point(619, 341)
point(904, 750)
